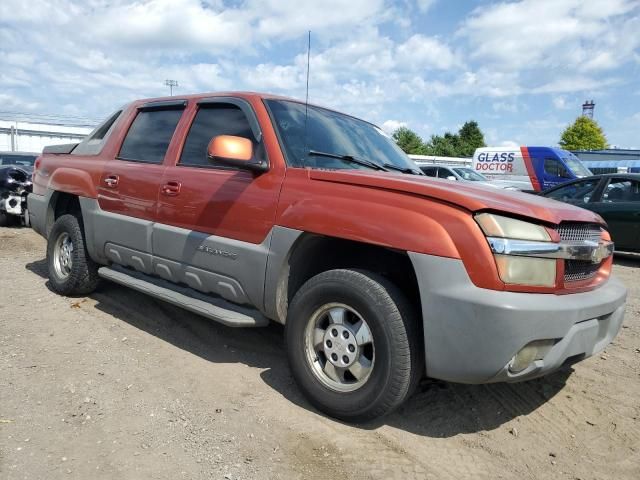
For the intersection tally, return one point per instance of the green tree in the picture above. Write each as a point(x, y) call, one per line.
point(461, 144)
point(583, 134)
point(443, 146)
point(409, 141)
point(471, 137)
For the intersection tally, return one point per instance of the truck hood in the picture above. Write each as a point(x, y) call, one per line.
point(463, 194)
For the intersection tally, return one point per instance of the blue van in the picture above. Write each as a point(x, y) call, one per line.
point(529, 168)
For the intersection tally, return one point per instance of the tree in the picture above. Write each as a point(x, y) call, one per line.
point(445, 146)
point(409, 141)
point(461, 144)
point(584, 134)
point(471, 137)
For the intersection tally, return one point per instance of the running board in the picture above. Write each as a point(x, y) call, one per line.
point(214, 308)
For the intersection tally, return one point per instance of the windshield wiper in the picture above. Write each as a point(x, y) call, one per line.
point(350, 159)
point(408, 170)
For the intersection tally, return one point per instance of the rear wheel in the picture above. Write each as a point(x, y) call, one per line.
point(353, 345)
point(71, 270)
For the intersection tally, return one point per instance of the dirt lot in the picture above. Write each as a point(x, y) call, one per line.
point(118, 385)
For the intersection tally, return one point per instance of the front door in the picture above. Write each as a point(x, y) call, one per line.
point(130, 182)
point(213, 227)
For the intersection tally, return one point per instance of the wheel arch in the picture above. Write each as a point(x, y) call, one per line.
point(312, 254)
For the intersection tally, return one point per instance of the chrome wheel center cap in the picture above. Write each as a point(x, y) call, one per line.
point(340, 346)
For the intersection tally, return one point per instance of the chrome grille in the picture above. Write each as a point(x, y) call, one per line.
point(577, 232)
point(577, 270)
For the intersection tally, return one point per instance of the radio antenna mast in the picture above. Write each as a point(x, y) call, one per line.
point(306, 101)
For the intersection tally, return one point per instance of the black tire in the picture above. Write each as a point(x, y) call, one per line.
point(392, 322)
point(82, 278)
point(6, 220)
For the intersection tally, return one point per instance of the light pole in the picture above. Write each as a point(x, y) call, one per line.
point(171, 84)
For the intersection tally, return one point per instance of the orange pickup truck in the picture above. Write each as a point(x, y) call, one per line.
point(250, 208)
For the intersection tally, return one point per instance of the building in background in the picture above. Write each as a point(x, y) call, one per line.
point(32, 131)
point(610, 160)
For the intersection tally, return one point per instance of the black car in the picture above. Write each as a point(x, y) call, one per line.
point(615, 197)
point(15, 184)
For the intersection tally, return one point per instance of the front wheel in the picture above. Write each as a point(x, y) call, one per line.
point(353, 344)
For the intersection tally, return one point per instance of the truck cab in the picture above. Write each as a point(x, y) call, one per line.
point(529, 168)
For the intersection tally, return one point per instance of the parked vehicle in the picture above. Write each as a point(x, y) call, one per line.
point(615, 197)
point(247, 208)
point(15, 184)
point(529, 168)
point(462, 174)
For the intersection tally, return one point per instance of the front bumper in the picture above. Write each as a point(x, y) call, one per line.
point(471, 334)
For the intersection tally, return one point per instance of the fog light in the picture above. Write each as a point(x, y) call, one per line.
point(531, 352)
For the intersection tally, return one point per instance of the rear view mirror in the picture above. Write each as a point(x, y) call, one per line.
point(234, 151)
point(451, 177)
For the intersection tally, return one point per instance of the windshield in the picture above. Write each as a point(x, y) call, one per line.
point(24, 160)
point(470, 175)
point(576, 166)
point(333, 133)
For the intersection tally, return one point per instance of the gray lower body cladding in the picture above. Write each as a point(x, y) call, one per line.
point(471, 334)
point(234, 270)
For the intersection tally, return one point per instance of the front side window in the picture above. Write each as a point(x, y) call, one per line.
point(576, 166)
point(211, 121)
point(555, 168)
point(622, 191)
point(149, 136)
point(580, 192)
point(303, 129)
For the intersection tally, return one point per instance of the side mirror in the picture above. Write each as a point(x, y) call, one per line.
point(235, 152)
point(451, 177)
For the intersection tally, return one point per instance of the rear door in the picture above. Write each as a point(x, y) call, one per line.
point(619, 205)
point(130, 182)
point(215, 221)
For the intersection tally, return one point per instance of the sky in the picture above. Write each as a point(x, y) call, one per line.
point(521, 69)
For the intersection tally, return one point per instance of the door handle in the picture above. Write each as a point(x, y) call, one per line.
point(111, 181)
point(171, 188)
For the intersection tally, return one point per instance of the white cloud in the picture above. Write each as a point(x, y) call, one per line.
point(391, 126)
point(421, 52)
point(425, 5)
point(565, 34)
point(509, 143)
point(560, 102)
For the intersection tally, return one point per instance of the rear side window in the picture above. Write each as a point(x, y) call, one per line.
point(93, 143)
point(211, 121)
point(444, 173)
point(429, 171)
point(622, 191)
point(149, 136)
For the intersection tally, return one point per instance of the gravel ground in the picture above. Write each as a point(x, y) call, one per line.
point(117, 385)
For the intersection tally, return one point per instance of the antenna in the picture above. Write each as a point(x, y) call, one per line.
point(306, 102)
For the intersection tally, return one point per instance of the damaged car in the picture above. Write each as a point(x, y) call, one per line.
point(15, 184)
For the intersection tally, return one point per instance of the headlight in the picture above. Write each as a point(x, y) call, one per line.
point(512, 268)
point(538, 272)
point(505, 227)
